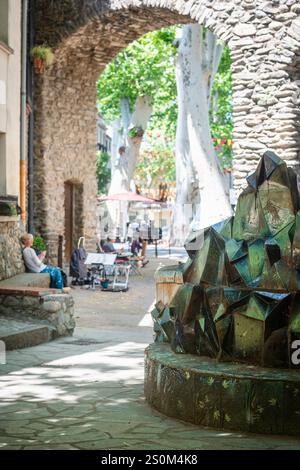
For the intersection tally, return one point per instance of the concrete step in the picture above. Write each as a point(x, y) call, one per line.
point(17, 334)
point(28, 280)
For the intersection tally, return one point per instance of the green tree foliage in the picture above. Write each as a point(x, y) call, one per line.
point(157, 160)
point(221, 110)
point(103, 172)
point(145, 67)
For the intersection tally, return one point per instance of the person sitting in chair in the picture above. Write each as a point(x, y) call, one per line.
point(108, 246)
point(136, 247)
point(34, 263)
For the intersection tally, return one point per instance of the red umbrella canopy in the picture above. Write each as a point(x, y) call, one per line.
point(129, 197)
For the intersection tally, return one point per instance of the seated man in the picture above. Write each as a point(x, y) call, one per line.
point(108, 246)
point(35, 263)
point(136, 247)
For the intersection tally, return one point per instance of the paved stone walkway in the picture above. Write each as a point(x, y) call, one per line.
point(86, 392)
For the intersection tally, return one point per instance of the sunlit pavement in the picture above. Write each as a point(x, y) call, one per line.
point(86, 392)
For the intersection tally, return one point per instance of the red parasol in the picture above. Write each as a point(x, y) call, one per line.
point(129, 197)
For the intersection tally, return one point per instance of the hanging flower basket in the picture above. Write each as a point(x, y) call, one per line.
point(136, 134)
point(39, 66)
point(42, 57)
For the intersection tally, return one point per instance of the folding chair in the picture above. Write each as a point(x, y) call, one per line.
point(133, 263)
point(118, 282)
point(130, 261)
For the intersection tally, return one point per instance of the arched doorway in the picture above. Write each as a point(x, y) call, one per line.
point(86, 35)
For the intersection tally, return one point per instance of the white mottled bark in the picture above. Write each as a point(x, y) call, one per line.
point(183, 213)
point(123, 166)
point(202, 196)
point(117, 142)
point(139, 119)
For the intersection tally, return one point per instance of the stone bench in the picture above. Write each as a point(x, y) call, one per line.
point(28, 280)
point(28, 297)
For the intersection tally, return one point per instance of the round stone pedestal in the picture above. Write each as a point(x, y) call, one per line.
point(222, 395)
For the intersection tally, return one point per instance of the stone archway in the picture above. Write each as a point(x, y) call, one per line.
point(86, 35)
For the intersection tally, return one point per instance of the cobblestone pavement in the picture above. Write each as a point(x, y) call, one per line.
point(86, 392)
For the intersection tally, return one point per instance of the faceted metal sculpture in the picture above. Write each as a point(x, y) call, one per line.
point(240, 297)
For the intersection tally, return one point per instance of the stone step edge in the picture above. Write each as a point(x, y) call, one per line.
point(27, 338)
point(28, 291)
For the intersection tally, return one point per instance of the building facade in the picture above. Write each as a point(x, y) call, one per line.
point(104, 135)
point(10, 136)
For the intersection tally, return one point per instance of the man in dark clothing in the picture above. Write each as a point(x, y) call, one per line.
point(136, 247)
point(108, 246)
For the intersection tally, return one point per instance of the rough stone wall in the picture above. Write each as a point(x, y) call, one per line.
point(266, 92)
point(11, 262)
point(67, 153)
point(55, 311)
point(264, 37)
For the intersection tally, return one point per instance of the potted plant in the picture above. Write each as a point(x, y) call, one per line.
point(136, 133)
point(42, 57)
point(39, 244)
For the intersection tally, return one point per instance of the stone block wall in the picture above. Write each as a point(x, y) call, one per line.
point(55, 311)
point(68, 154)
point(11, 262)
point(264, 38)
point(266, 91)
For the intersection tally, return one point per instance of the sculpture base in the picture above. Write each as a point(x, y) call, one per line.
point(222, 395)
